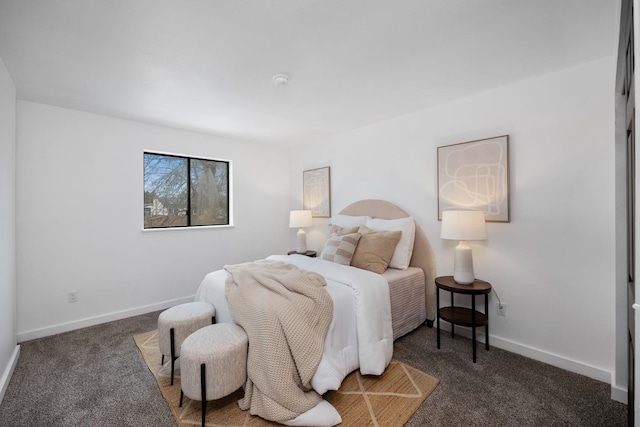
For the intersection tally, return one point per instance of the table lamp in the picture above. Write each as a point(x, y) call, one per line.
point(463, 225)
point(300, 219)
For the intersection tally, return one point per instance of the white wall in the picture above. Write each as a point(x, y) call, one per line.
point(80, 213)
point(8, 349)
point(79, 210)
point(553, 265)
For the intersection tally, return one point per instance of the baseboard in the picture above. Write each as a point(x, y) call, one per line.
point(619, 394)
point(8, 372)
point(553, 359)
point(539, 355)
point(92, 321)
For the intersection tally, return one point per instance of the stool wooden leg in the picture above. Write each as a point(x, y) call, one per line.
point(162, 363)
point(181, 396)
point(173, 352)
point(203, 388)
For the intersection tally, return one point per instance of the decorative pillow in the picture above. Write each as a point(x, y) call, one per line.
point(348, 221)
point(375, 249)
point(402, 254)
point(341, 231)
point(340, 249)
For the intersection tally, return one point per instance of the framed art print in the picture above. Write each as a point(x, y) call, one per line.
point(475, 175)
point(316, 192)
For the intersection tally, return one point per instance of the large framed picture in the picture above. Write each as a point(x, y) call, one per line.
point(475, 175)
point(316, 192)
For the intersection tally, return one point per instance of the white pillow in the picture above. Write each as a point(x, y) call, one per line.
point(402, 255)
point(349, 221)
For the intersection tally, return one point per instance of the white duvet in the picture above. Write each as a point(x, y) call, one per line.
point(360, 334)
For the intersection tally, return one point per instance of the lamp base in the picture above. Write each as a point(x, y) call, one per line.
point(463, 264)
point(301, 243)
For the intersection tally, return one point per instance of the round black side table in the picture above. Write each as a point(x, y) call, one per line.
point(464, 316)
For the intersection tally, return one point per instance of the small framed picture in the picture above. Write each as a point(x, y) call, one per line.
point(316, 192)
point(475, 175)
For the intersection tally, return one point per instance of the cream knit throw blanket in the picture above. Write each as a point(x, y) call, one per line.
point(286, 313)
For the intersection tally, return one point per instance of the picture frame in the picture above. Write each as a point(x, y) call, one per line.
point(475, 175)
point(316, 192)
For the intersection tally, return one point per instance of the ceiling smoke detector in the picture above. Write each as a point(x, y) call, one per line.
point(281, 79)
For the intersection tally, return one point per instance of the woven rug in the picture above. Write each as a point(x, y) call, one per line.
point(387, 400)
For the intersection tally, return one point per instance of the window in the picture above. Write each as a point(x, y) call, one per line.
point(183, 191)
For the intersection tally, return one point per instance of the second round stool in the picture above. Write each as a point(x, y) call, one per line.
point(213, 363)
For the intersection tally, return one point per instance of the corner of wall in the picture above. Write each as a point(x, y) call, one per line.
point(9, 350)
point(8, 372)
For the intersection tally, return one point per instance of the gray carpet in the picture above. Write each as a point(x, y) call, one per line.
point(502, 388)
point(96, 377)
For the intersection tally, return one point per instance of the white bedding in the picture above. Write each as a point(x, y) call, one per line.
point(360, 334)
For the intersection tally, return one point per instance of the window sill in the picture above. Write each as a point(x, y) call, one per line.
point(197, 227)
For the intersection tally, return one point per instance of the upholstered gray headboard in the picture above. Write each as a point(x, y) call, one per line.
point(422, 253)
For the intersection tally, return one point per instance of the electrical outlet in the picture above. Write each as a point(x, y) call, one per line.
point(502, 309)
point(72, 296)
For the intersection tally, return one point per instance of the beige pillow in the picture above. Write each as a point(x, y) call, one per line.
point(402, 255)
point(340, 249)
point(375, 249)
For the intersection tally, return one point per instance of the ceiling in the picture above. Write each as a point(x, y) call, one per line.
point(208, 65)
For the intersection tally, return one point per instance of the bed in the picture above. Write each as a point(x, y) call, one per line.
point(370, 309)
point(422, 258)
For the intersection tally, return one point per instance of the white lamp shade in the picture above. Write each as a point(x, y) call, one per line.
point(463, 225)
point(300, 219)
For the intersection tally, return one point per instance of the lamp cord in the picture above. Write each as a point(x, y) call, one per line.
point(496, 294)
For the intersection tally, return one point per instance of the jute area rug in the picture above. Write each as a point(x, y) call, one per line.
point(387, 400)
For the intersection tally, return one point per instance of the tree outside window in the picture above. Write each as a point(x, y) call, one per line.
point(183, 191)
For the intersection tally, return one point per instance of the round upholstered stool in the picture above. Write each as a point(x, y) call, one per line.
point(213, 363)
point(177, 323)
